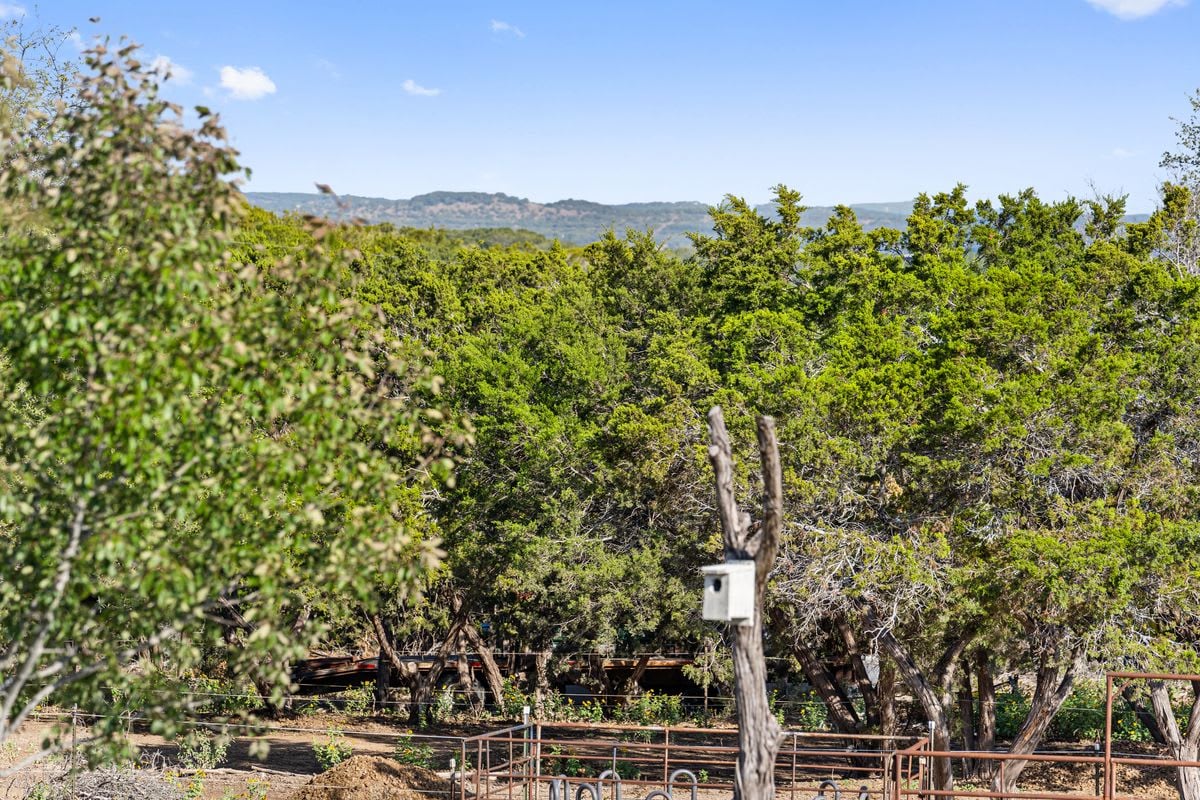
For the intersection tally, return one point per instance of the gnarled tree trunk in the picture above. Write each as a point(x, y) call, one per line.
point(932, 692)
point(1054, 683)
point(492, 677)
point(1184, 746)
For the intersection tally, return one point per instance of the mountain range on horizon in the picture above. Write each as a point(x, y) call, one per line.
point(571, 221)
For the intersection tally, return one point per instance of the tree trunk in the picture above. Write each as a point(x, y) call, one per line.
point(383, 680)
point(889, 725)
point(630, 687)
point(422, 695)
point(966, 717)
point(1144, 715)
point(466, 681)
point(492, 676)
point(541, 680)
point(841, 714)
point(986, 687)
point(1184, 746)
point(865, 687)
point(932, 693)
point(1054, 684)
point(759, 734)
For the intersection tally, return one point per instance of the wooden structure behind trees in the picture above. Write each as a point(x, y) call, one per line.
point(759, 734)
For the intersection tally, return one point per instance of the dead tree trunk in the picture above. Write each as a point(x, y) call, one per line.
point(1184, 746)
point(759, 734)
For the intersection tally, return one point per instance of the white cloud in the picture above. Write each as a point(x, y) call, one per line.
point(1121, 152)
point(168, 70)
point(246, 83)
point(504, 27)
point(11, 10)
point(1134, 9)
point(412, 87)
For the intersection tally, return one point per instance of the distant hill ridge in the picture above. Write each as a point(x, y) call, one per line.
point(574, 221)
point(571, 220)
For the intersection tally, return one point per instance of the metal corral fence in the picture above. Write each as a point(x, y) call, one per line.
point(561, 761)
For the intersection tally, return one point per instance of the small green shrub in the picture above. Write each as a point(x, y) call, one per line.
point(333, 751)
point(219, 696)
point(1082, 716)
point(417, 754)
point(201, 750)
point(1011, 710)
point(357, 700)
point(512, 699)
point(652, 709)
point(566, 763)
point(443, 706)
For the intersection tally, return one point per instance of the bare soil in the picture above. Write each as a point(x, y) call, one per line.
point(374, 778)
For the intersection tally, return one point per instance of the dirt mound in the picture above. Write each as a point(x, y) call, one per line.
point(374, 778)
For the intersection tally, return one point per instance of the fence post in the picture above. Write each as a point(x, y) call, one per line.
point(667, 758)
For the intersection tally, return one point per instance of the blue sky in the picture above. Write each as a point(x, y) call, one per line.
point(847, 101)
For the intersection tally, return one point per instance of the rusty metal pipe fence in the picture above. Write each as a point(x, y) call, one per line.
point(566, 761)
point(555, 761)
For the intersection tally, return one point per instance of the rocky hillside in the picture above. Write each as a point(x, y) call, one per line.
point(576, 221)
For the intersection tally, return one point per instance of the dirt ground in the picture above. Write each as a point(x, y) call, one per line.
point(290, 764)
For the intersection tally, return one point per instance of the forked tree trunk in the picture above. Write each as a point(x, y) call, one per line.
point(759, 734)
point(1054, 683)
point(933, 692)
point(859, 667)
point(1184, 746)
point(422, 698)
point(492, 676)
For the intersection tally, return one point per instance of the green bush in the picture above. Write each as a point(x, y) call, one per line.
point(1011, 710)
point(565, 762)
point(808, 713)
point(357, 700)
point(652, 709)
point(333, 751)
point(1082, 716)
point(512, 699)
point(418, 754)
point(202, 750)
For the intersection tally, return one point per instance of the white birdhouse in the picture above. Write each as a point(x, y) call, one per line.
point(729, 592)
